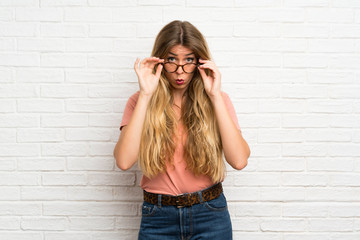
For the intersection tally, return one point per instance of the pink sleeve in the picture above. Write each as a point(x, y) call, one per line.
point(231, 109)
point(129, 108)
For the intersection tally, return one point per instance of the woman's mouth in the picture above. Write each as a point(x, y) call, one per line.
point(179, 81)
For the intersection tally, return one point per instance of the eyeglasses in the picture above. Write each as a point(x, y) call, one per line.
point(171, 67)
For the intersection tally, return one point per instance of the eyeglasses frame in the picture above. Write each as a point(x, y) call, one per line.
point(182, 66)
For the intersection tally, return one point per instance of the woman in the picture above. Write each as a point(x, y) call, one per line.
point(177, 126)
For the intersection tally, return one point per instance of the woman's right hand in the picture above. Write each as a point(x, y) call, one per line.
point(147, 80)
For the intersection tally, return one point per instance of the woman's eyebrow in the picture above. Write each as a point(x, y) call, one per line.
point(185, 54)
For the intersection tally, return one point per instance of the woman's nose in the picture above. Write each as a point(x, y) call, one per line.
point(180, 69)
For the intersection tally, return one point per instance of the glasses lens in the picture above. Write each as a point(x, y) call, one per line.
point(170, 67)
point(189, 68)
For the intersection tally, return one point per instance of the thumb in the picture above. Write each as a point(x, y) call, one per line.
point(158, 70)
point(202, 73)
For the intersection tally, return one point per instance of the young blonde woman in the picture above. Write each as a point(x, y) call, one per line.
point(178, 126)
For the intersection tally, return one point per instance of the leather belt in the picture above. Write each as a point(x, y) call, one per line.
point(186, 199)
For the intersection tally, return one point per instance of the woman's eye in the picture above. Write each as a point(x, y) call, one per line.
point(170, 59)
point(190, 60)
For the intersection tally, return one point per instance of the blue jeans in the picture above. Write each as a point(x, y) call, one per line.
point(206, 220)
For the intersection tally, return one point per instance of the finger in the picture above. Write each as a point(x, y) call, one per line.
point(150, 61)
point(203, 60)
point(202, 73)
point(136, 65)
point(158, 70)
point(207, 66)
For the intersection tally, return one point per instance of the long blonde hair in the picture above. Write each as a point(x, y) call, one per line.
point(203, 150)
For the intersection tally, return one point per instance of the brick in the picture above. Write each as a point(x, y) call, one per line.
point(245, 224)
point(40, 75)
point(282, 194)
point(113, 3)
point(304, 179)
point(111, 179)
point(125, 30)
point(332, 106)
point(39, 14)
point(44, 223)
point(330, 225)
point(330, 15)
point(63, 3)
point(91, 223)
point(263, 179)
point(83, 14)
point(18, 3)
point(73, 179)
point(20, 59)
point(287, 164)
point(6, 75)
point(330, 164)
point(12, 235)
point(63, 30)
point(43, 193)
point(257, 30)
point(288, 225)
point(64, 149)
point(55, 106)
point(90, 193)
point(322, 135)
point(306, 209)
point(90, 163)
point(40, 135)
point(9, 193)
point(257, 3)
point(7, 106)
point(40, 45)
point(334, 194)
point(17, 30)
point(277, 136)
point(20, 209)
point(70, 60)
point(306, 3)
point(63, 91)
point(91, 76)
point(20, 149)
point(88, 45)
point(7, 45)
point(136, 14)
point(300, 30)
point(89, 209)
point(9, 223)
point(112, 91)
point(38, 164)
point(90, 106)
point(88, 134)
point(281, 106)
point(304, 149)
point(64, 120)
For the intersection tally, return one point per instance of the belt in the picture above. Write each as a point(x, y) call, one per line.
point(186, 199)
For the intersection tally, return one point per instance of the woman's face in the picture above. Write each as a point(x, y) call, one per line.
point(180, 55)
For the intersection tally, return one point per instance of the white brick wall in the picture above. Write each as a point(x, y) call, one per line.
point(291, 68)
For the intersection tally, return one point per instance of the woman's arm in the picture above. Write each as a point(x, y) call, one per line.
point(236, 149)
point(127, 148)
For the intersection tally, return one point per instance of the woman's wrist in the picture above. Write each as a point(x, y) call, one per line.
point(145, 96)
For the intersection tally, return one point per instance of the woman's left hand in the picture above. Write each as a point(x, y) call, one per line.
point(212, 82)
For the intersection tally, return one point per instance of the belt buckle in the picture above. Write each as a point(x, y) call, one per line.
point(186, 198)
point(177, 200)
